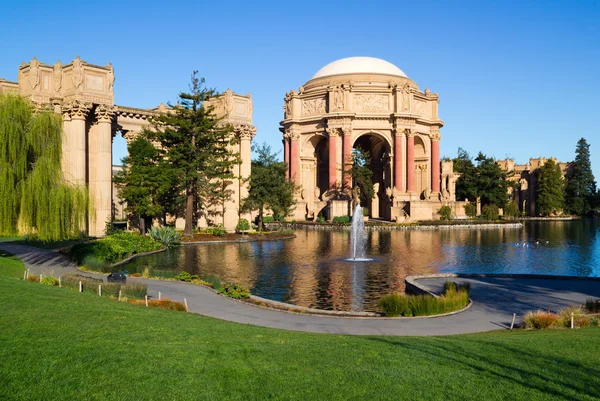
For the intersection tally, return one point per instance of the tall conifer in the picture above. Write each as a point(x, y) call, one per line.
point(581, 185)
point(550, 189)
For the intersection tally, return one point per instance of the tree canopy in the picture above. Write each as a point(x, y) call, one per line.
point(581, 186)
point(34, 197)
point(362, 175)
point(550, 189)
point(197, 145)
point(466, 187)
point(268, 186)
point(485, 179)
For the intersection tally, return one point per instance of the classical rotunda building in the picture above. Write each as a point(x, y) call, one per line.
point(372, 104)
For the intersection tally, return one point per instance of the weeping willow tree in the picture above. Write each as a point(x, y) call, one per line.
point(34, 198)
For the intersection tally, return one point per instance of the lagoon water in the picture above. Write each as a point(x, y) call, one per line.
point(310, 270)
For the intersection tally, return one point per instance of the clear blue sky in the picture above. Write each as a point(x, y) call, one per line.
point(517, 79)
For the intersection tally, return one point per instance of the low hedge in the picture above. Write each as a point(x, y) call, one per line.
point(112, 248)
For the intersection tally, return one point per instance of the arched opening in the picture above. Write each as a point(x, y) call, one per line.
point(322, 165)
point(378, 150)
point(421, 172)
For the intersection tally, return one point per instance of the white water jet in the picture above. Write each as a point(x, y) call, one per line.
point(359, 237)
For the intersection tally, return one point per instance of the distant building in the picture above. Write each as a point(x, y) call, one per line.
point(524, 180)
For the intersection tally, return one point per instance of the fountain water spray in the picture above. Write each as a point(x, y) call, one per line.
point(359, 237)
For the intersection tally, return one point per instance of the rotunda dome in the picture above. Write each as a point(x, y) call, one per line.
point(359, 65)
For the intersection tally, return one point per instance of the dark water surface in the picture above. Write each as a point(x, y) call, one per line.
point(310, 270)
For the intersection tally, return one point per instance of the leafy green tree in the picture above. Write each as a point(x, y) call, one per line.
point(445, 213)
point(34, 197)
point(362, 175)
point(470, 210)
point(268, 186)
point(490, 212)
point(197, 145)
point(146, 184)
point(490, 181)
point(550, 189)
point(511, 210)
point(581, 185)
point(466, 187)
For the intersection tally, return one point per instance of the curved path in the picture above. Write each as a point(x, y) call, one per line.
point(494, 302)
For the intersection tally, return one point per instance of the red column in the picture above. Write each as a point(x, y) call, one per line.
point(347, 157)
point(435, 165)
point(332, 158)
point(295, 162)
point(398, 171)
point(286, 155)
point(410, 163)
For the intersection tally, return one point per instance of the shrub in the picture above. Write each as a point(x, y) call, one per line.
point(33, 278)
point(111, 289)
point(579, 317)
point(159, 303)
point(166, 236)
point(95, 264)
point(394, 305)
point(217, 231)
point(234, 291)
point(320, 219)
point(592, 305)
point(365, 211)
point(470, 210)
point(594, 321)
point(341, 219)
point(539, 320)
point(49, 280)
point(268, 219)
point(213, 280)
point(490, 212)
point(512, 210)
point(445, 213)
point(451, 286)
point(243, 225)
point(183, 276)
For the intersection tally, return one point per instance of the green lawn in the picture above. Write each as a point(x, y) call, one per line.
point(60, 344)
point(11, 265)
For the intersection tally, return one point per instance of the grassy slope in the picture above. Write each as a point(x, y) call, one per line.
point(11, 265)
point(60, 344)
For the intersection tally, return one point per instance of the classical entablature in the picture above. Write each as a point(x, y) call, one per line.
point(368, 103)
point(83, 94)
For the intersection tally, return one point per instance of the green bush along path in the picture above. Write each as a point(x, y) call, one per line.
point(60, 344)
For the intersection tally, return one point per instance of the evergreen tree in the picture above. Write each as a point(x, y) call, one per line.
point(268, 186)
point(465, 184)
point(362, 175)
point(581, 185)
point(197, 145)
point(550, 190)
point(147, 184)
point(490, 181)
point(34, 197)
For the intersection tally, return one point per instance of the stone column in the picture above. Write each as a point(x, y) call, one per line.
point(347, 156)
point(295, 159)
point(286, 154)
point(333, 136)
point(398, 170)
point(435, 162)
point(77, 135)
point(66, 144)
point(246, 135)
point(100, 169)
point(410, 161)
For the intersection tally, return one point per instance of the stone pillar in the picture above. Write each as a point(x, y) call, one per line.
point(246, 135)
point(286, 154)
point(410, 161)
point(333, 136)
point(347, 157)
point(77, 136)
point(435, 162)
point(295, 159)
point(66, 144)
point(398, 170)
point(100, 169)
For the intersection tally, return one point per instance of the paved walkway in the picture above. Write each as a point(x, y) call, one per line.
point(494, 302)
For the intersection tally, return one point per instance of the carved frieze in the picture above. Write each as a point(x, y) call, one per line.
point(420, 108)
point(312, 107)
point(371, 102)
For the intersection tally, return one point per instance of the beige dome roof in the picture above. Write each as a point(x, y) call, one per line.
point(359, 65)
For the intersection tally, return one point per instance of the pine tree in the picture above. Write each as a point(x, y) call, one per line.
point(34, 197)
point(465, 184)
point(581, 185)
point(197, 145)
point(490, 182)
point(550, 190)
point(268, 186)
point(146, 184)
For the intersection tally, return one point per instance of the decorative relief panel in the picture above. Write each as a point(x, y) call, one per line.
point(421, 108)
point(371, 102)
point(94, 82)
point(313, 106)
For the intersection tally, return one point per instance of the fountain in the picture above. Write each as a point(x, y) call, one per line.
point(358, 237)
